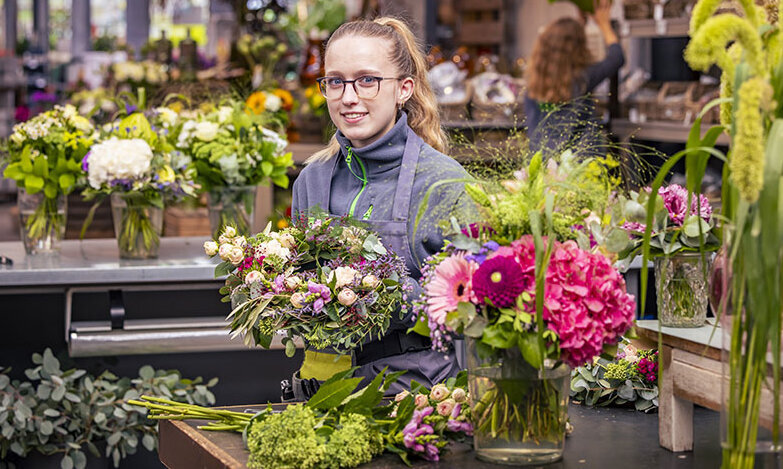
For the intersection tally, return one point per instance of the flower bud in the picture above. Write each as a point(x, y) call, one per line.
point(401, 395)
point(225, 251)
point(347, 297)
point(298, 299)
point(459, 395)
point(252, 277)
point(210, 248)
point(293, 282)
point(230, 231)
point(370, 281)
point(421, 401)
point(223, 239)
point(439, 392)
point(236, 255)
point(446, 406)
point(240, 241)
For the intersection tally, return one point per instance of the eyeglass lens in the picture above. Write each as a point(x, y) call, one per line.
point(364, 87)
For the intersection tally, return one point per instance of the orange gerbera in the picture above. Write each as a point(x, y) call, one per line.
point(256, 102)
point(285, 97)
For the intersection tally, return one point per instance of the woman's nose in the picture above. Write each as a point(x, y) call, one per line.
point(349, 95)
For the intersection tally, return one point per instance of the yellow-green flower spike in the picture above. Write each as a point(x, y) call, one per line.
point(709, 43)
point(752, 12)
point(726, 91)
point(702, 11)
point(747, 159)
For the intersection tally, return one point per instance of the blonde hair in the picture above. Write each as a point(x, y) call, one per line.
point(559, 56)
point(407, 56)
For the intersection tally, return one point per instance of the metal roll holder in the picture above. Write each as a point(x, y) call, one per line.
point(122, 336)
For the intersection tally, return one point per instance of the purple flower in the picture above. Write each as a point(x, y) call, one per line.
point(85, 163)
point(474, 230)
point(130, 109)
point(431, 452)
point(318, 305)
point(500, 279)
point(456, 411)
point(279, 284)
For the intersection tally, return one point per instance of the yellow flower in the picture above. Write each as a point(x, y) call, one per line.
point(747, 159)
point(256, 102)
point(708, 44)
point(282, 224)
point(285, 97)
point(166, 174)
point(176, 106)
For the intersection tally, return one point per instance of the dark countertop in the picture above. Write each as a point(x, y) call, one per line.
point(602, 438)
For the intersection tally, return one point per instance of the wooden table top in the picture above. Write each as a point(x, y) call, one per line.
point(705, 340)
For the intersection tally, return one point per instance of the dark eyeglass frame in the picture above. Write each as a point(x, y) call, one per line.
point(322, 85)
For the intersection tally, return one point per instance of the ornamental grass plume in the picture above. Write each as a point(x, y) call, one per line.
point(702, 11)
point(708, 43)
point(747, 160)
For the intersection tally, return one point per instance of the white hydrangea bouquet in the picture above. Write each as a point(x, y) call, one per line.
point(138, 169)
point(232, 152)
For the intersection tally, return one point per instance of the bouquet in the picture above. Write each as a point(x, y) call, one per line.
point(277, 103)
point(44, 156)
point(534, 293)
point(340, 427)
point(232, 149)
point(137, 168)
point(682, 221)
point(631, 378)
point(329, 282)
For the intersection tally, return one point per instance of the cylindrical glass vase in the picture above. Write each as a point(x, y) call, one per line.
point(232, 206)
point(681, 289)
point(519, 412)
point(42, 221)
point(138, 225)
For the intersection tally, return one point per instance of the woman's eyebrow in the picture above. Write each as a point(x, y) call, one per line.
point(359, 73)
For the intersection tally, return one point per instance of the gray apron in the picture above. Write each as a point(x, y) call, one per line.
point(427, 367)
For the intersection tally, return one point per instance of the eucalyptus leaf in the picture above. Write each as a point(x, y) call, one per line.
point(66, 462)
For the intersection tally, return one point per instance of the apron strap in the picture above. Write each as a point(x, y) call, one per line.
point(403, 192)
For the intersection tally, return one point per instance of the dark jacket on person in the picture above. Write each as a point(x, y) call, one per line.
point(553, 128)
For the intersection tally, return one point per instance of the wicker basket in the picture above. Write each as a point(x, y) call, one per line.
point(671, 100)
point(677, 8)
point(698, 97)
point(457, 111)
point(637, 9)
point(644, 102)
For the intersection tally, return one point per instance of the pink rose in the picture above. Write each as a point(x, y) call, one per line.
point(439, 392)
point(446, 406)
point(421, 401)
point(298, 299)
point(347, 297)
point(401, 395)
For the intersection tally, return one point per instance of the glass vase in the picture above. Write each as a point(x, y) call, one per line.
point(681, 289)
point(138, 225)
point(232, 206)
point(42, 221)
point(519, 412)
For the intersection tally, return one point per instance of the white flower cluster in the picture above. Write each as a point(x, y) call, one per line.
point(280, 142)
point(118, 159)
point(205, 131)
point(139, 71)
point(231, 247)
point(279, 245)
point(33, 129)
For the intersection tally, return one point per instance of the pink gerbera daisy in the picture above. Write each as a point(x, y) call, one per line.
point(450, 284)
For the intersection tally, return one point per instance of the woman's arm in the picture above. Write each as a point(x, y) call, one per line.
point(601, 9)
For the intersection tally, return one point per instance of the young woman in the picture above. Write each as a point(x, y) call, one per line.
point(560, 74)
point(385, 156)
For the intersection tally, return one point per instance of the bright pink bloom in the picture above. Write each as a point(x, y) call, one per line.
point(450, 284)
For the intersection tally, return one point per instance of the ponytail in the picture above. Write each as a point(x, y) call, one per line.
point(406, 54)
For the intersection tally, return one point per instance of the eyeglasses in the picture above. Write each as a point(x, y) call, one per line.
point(365, 87)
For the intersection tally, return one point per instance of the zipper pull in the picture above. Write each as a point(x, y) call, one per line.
point(367, 214)
point(348, 156)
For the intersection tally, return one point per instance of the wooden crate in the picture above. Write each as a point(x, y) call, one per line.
point(485, 24)
point(181, 221)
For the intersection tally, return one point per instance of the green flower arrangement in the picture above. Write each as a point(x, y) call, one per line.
point(44, 155)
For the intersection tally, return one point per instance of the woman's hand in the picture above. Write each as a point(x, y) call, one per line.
point(601, 16)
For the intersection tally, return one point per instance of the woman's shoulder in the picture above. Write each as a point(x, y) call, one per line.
point(430, 158)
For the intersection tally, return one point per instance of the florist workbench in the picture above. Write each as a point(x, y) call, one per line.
point(602, 438)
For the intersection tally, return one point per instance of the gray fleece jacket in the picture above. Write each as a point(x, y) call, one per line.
point(381, 161)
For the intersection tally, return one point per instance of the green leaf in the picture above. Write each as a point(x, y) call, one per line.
point(114, 438)
point(79, 459)
point(290, 348)
point(40, 167)
point(497, 336)
point(267, 167)
point(66, 462)
point(50, 190)
point(223, 269)
point(66, 180)
point(364, 401)
point(528, 345)
point(146, 372)
point(33, 184)
point(148, 441)
point(691, 226)
point(476, 327)
point(58, 393)
point(14, 171)
point(330, 395)
point(50, 364)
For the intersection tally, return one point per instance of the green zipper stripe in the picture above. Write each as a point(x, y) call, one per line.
point(348, 159)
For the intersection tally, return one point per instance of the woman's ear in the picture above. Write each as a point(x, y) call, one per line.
point(406, 90)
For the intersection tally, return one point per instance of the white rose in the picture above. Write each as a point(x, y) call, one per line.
point(225, 251)
point(224, 113)
point(240, 241)
point(118, 159)
point(286, 240)
point(273, 102)
point(167, 115)
point(293, 282)
point(345, 276)
point(274, 248)
point(237, 255)
point(252, 277)
point(459, 395)
point(206, 131)
point(370, 281)
point(230, 231)
point(298, 299)
point(211, 248)
point(347, 297)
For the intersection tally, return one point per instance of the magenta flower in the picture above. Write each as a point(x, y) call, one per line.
point(499, 279)
point(450, 284)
